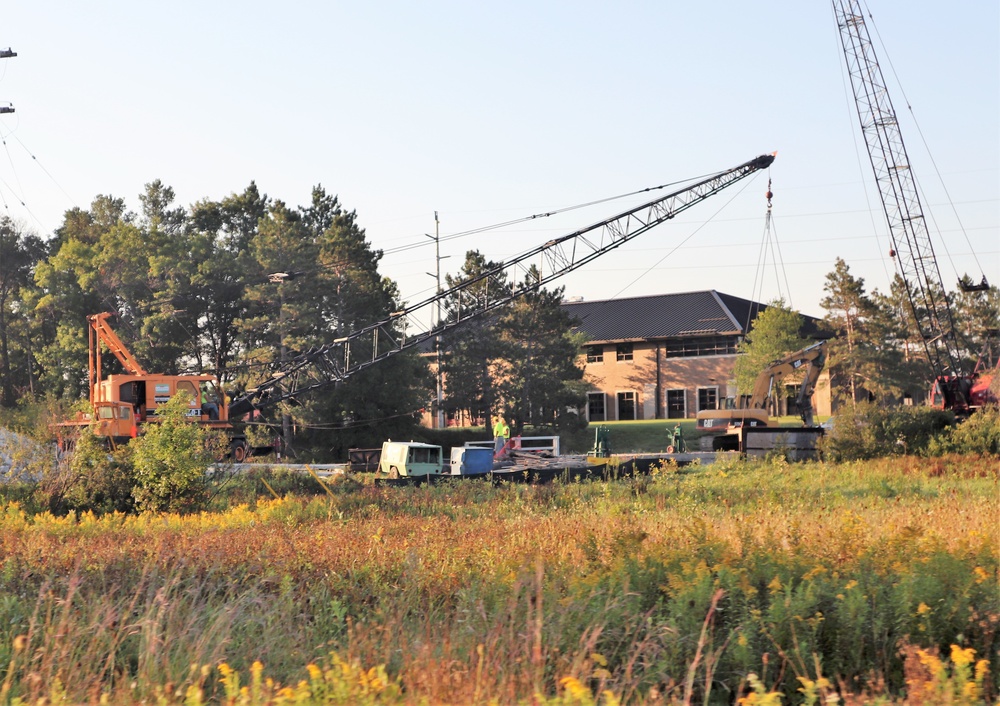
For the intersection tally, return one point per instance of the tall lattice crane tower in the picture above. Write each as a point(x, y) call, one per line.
point(911, 242)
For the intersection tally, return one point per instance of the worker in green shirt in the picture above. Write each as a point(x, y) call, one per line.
point(501, 434)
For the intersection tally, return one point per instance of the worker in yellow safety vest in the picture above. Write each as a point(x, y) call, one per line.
point(501, 434)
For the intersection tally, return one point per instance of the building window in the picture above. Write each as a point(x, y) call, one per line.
point(595, 407)
point(708, 398)
point(792, 400)
point(700, 346)
point(676, 404)
point(595, 354)
point(623, 351)
point(626, 405)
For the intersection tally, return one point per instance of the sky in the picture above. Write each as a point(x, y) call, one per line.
point(491, 112)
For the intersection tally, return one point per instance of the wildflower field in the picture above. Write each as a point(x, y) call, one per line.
point(759, 582)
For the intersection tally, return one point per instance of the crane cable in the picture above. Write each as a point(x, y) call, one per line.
point(937, 170)
point(683, 242)
point(769, 243)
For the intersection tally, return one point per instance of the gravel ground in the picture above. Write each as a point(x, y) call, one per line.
point(22, 458)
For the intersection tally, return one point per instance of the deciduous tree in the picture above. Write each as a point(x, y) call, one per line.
point(20, 252)
point(774, 333)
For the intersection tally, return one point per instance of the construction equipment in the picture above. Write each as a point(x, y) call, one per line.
point(911, 242)
point(122, 403)
point(754, 410)
point(410, 459)
point(474, 297)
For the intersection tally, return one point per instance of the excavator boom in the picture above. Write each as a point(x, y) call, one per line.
point(814, 357)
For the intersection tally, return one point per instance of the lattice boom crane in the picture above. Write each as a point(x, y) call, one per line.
point(475, 297)
point(911, 242)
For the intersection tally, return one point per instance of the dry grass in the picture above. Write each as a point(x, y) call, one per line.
point(653, 590)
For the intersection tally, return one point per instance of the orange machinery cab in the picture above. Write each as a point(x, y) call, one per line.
point(148, 392)
point(114, 420)
point(123, 403)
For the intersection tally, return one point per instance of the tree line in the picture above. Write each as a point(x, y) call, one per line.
point(875, 352)
point(234, 286)
point(195, 290)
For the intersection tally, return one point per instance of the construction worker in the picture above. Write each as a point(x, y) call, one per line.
point(208, 405)
point(501, 435)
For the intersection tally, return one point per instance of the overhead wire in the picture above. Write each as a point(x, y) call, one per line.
point(41, 166)
point(677, 247)
point(852, 117)
point(19, 193)
point(933, 161)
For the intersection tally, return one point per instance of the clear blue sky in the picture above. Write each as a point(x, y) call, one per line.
point(486, 112)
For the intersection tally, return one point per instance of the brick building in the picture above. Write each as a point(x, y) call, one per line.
point(671, 355)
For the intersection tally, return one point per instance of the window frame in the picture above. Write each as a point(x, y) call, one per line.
point(622, 395)
point(595, 354)
point(666, 402)
point(604, 406)
point(715, 395)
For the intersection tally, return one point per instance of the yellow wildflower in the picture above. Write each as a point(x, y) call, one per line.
point(960, 657)
point(981, 574)
point(574, 688)
point(982, 669)
point(923, 609)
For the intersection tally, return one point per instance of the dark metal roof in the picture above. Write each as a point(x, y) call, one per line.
point(707, 313)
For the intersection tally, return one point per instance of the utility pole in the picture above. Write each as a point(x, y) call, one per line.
point(439, 406)
point(7, 54)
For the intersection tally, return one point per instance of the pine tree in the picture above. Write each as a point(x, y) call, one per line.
point(470, 351)
point(537, 363)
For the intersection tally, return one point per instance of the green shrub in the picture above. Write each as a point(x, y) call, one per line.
point(869, 431)
point(171, 459)
point(96, 480)
point(979, 434)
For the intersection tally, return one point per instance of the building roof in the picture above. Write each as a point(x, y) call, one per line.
point(706, 313)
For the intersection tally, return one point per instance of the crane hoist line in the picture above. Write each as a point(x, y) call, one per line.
point(476, 296)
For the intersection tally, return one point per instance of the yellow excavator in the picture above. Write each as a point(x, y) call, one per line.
point(753, 411)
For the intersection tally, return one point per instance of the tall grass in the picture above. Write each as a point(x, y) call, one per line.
point(672, 587)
